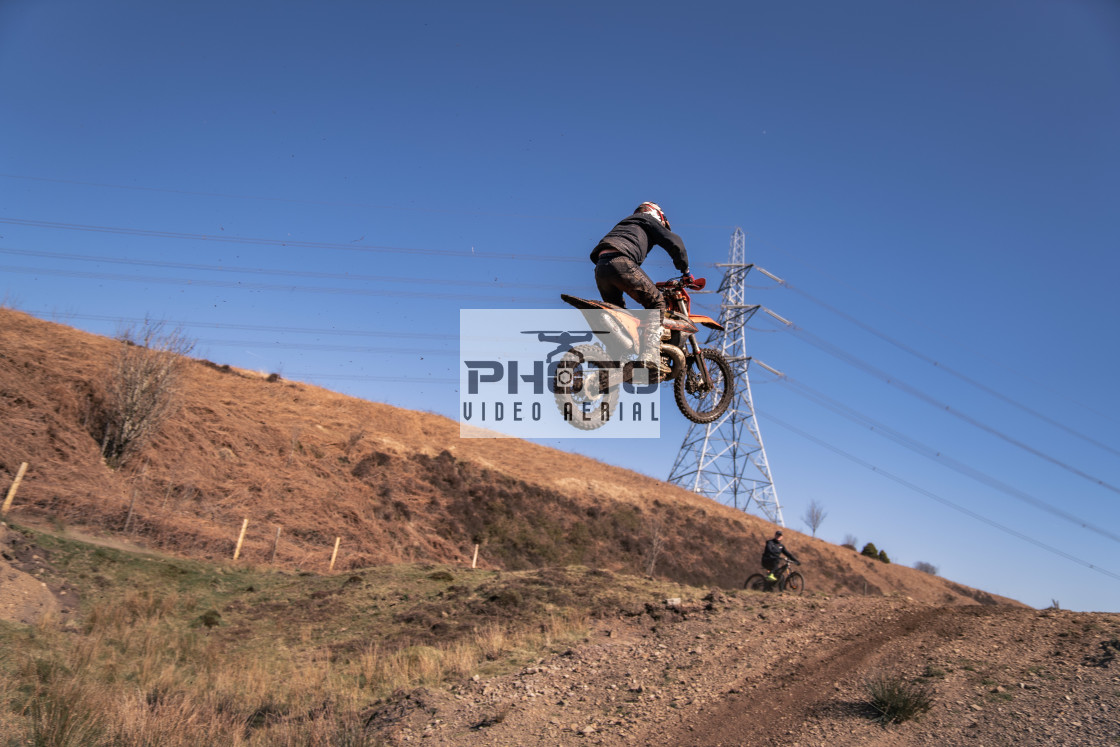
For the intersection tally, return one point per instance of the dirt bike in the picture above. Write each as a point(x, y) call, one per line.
point(703, 382)
point(786, 581)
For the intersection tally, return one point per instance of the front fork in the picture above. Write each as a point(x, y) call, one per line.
point(705, 378)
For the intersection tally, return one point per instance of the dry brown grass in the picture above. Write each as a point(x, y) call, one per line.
point(133, 676)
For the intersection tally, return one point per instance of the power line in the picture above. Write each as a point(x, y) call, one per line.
point(323, 347)
point(855, 362)
point(359, 377)
point(1017, 371)
point(255, 286)
point(257, 327)
point(265, 198)
point(953, 372)
point(304, 346)
point(939, 499)
point(252, 241)
point(333, 203)
point(398, 293)
point(266, 271)
point(936, 455)
point(287, 330)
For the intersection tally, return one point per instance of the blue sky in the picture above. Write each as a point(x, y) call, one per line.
point(936, 182)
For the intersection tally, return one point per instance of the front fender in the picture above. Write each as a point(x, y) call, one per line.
point(707, 321)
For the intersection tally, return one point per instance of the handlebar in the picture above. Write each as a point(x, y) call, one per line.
point(686, 281)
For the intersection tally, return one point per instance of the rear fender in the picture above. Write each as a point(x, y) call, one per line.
point(623, 327)
point(617, 331)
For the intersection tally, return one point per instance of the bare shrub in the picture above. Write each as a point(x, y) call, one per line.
point(352, 441)
point(814, 516)
point(897, 700)
point(143, 388)
point(925, 567)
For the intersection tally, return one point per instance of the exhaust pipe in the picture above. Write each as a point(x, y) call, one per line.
point(676, 359)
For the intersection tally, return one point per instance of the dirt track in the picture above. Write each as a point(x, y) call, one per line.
point(753, 669)
point(803, 682)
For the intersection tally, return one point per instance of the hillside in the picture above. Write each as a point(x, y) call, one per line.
point(124, 619)
point(142, 648)
point(394, 485)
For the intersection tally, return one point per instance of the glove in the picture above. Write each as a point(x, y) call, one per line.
point(687, 277)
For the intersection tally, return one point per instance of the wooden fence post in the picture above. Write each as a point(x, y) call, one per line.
point(335, 553)
point(275, 544)
point(131, 505)
point(474, 560)
point(12, 490)
point(241, 538)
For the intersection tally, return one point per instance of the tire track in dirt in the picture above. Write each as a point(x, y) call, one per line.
point(794, 691)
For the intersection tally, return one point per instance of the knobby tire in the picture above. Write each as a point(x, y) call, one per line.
point(575, 361)
point(709, 405)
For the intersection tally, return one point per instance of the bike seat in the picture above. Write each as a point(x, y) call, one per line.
point(584, 303)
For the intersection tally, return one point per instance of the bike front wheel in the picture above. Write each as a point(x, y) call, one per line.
point(702, 404)
point(756, 582)
point(794, 583)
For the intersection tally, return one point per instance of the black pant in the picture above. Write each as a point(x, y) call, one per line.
point(615, 275)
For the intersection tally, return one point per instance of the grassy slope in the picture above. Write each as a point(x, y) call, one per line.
point(395, 485)
point(183, 651)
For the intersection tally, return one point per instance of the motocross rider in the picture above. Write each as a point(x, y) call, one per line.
point(618, 257)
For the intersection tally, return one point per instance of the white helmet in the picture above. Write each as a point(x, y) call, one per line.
point(655, 210)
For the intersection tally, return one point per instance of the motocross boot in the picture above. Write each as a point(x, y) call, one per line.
point(650, 351)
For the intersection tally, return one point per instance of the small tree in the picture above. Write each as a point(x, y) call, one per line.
point(925, 567)
point(883, 557)
point(814, 516)
point(870, 550)
point(143, 388)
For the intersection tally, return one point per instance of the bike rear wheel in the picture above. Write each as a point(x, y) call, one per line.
point(583, 396)
point(756, 582)
point(794, 583)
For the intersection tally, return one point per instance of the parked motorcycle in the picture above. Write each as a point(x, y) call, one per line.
point(703, 382)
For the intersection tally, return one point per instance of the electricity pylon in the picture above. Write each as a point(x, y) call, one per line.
point(726, 460)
